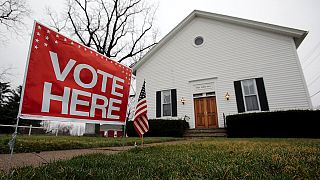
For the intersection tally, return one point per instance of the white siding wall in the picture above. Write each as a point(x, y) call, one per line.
point(229, 53)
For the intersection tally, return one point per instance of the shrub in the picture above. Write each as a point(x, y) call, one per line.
point(161, 128)
point(292, 123)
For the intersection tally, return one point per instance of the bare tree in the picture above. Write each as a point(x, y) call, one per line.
point(5, 87)
point(120, 29)
point(12, 14)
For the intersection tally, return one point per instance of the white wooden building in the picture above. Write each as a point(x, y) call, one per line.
point(211, 65)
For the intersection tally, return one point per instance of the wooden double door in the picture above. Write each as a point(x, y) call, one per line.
point(205, 110)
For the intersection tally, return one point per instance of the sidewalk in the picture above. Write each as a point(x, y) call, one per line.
point(45, 157)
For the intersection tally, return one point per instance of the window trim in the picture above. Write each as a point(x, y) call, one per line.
point(256, 94)
point(194, 39)
point(162, 103)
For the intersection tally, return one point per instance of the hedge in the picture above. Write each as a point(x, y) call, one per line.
point(292, 123)
point(161, 128)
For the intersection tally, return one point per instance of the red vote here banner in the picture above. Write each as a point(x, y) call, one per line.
point(65, 80)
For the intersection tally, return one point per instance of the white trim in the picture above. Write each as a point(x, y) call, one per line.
point(194, 41)
point(257, 95)
point(302, 76)
point(203, 79)
point(296, 34)
point(38, 117)
point(63, 119)
point(203, 95)
point(78, 43)
point(253, 24)
point(26, 70)
point(162, 103)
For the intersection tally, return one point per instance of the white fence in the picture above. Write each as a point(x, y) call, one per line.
point(30, 128)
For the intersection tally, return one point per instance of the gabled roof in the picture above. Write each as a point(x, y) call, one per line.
point(296, 34)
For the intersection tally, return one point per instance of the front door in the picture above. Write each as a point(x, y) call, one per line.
point(205, 110)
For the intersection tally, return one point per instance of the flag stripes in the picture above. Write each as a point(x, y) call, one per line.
point(140, 120)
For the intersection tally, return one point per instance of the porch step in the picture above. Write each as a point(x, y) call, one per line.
point(219, 132)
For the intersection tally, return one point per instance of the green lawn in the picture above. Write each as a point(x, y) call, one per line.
point(48, 143)
point(206, 159)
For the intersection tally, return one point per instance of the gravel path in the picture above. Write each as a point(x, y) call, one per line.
point(45, 157)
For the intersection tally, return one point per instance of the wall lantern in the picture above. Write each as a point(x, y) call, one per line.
point(227, 96)
point(183, 100)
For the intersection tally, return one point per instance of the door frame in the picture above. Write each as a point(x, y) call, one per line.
point(205, 95)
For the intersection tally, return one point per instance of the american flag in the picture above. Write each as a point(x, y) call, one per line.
point(140, 120)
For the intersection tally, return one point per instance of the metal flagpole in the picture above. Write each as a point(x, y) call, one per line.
point(129, 113)
point(142, 140)
point(13, 140)
point(14, 135)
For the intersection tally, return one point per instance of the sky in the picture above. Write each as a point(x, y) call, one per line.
point(299, 14)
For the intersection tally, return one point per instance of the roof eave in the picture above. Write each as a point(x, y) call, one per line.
point(297, 35)
point(163, 41)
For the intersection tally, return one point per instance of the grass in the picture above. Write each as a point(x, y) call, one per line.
point(49, 143)
point(206, 159)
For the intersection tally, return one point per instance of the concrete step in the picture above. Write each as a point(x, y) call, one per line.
point(219, 132)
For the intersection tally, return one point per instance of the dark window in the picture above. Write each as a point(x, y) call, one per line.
point(251, 95)
point(166, 103)
point(198, 40)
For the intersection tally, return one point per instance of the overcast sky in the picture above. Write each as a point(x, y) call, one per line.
point(299, 14)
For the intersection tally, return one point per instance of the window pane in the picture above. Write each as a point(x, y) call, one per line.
point(248, 87)
point(251, 87)
point(245, 87)
point(252, 103)
point(166, 97)
point(167, 110)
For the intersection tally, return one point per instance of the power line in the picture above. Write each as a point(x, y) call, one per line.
point(315, 93)
point(310, 62)
point(311, 52)
point(314, 80)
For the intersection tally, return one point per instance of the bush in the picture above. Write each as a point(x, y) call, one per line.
point(161, 128)
point(292, 123)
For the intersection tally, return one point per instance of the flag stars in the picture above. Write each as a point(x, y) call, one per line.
point(96, 54)
point(45, 44)
point(90, 52)
point(37, 40)
point(47, 38)
point(48, 31)
point(57, 35)
point(65, 39)
point(71, 42)
point(38, 34)
point(39, 27)
point(36, 47)
point(85, 49)
point(79, 46)
point(56, 41)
